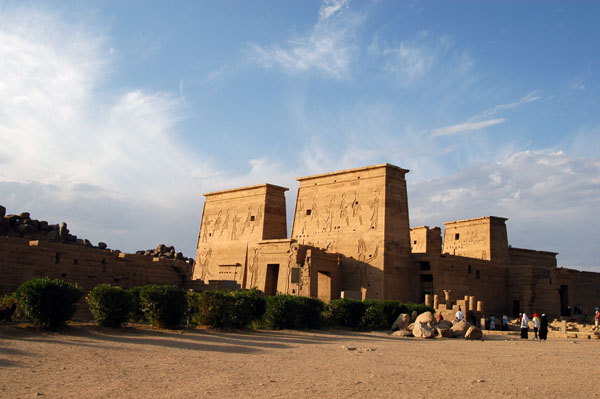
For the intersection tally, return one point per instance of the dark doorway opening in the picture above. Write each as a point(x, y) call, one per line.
point(516, 308)
point(271, 280)
point(564, 300)
point(426, 286)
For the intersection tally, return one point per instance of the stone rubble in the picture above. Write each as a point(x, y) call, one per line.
point(426, 326)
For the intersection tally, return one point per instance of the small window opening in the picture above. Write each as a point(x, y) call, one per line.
point(57, 258)
point(477, 275)
point(308, 212)
point(116, 280)
point(415, 242)
point(469, 269)
point(63, 275)
point(75, 261)
point(252, 218)
point(456, 236)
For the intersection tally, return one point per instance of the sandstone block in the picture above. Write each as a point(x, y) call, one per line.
point(401, 322)
point(2, 211)
point(413, 316)
point(444, 324)
point(474, 333)
point(426, 318)
point(422, 330)
point(459, 329)
point(444, 331)
point(402, 333)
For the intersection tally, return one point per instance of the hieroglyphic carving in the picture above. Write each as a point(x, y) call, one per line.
point(293, 254)
point(344, 210)
point(374, 205)
point(217, 223)
point(300, 215)
point(202, 263)
point(356, 208)
point(205, 227)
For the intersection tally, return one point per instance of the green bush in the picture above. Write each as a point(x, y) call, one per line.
point(137, 314)
point(9, 307)
point(418, 307)
point(292, 312)
point(380, 315)
point(226, 309)
point(346, 313)
point(163, 305)
point(48, 302)
point(110, 306)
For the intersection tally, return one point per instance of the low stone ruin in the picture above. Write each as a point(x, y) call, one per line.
point(23, 226)
point(426, 326)
point(163, 251)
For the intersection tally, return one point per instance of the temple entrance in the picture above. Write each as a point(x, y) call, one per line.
point(271, 279)
point(516, 308)
point(426, 286)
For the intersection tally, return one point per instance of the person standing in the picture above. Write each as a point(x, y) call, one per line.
point(505, 323)
point(536, 325)
point(597, 319)
point(459, 315)
point(544, 327)
point(524, 326)
point(492, 322)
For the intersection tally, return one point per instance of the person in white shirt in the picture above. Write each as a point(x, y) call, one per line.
point(524, 326)
point(459, 315)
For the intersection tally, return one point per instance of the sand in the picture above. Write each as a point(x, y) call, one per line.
point(86, 361)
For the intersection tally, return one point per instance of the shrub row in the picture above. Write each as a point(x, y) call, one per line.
point(52, 302)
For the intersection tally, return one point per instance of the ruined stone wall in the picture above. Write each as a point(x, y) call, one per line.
point(362, 214)
point(530, 257)
point(233, 223)
point(467, 276)
point(480, 238)
point(22, 259)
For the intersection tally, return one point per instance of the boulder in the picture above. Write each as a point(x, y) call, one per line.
point(422, 330)
point(63, 231)
point(413, 316)
point(427, 318)
point(401, 322)
point(25, 215)
point(473, 333)
point(459, 329)
point(402, 333)
point(102, 245)
point(2, 211)
point(444, 331)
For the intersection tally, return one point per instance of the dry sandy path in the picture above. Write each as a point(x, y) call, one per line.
point(85, 361)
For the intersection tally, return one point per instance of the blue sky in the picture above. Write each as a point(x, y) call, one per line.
point(116, 116)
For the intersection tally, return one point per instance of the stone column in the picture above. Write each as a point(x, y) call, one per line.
point(436, 301)
point(563, 326)
point(447, 298)
point(471, 302)
point(480, 306)
point(428, 299)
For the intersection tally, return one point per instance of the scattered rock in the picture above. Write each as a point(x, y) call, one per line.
point(402, 333)
point(422, 330)
point(459, 329)
point(444, 331)
point(401, 322)
point(413, 316)
point(474, 333)
point(426, 318)
point(2, 211)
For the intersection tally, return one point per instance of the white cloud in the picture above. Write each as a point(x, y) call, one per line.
point(531, 97)
point(327, 49)
point(465, 127)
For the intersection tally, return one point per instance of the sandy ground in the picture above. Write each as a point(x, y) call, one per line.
point(85, 361)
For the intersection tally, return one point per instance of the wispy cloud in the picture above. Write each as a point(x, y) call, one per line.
point(411, 60)
point(531, 97)
point(464, 127)
point(328, 48)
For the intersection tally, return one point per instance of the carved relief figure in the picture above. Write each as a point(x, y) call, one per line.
point(314, 216)
point(258, 217)
point(291, 263)
point(301, 216)
point(344, 210)
point(363, 262)
point(203, 263)
point(329, 218)
point(356, 208)
point(217, 223)
point(374, 205)
point(225, 223)
point(254, 267)
point(205, 227)
point(248, 220)
point(234, 223)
